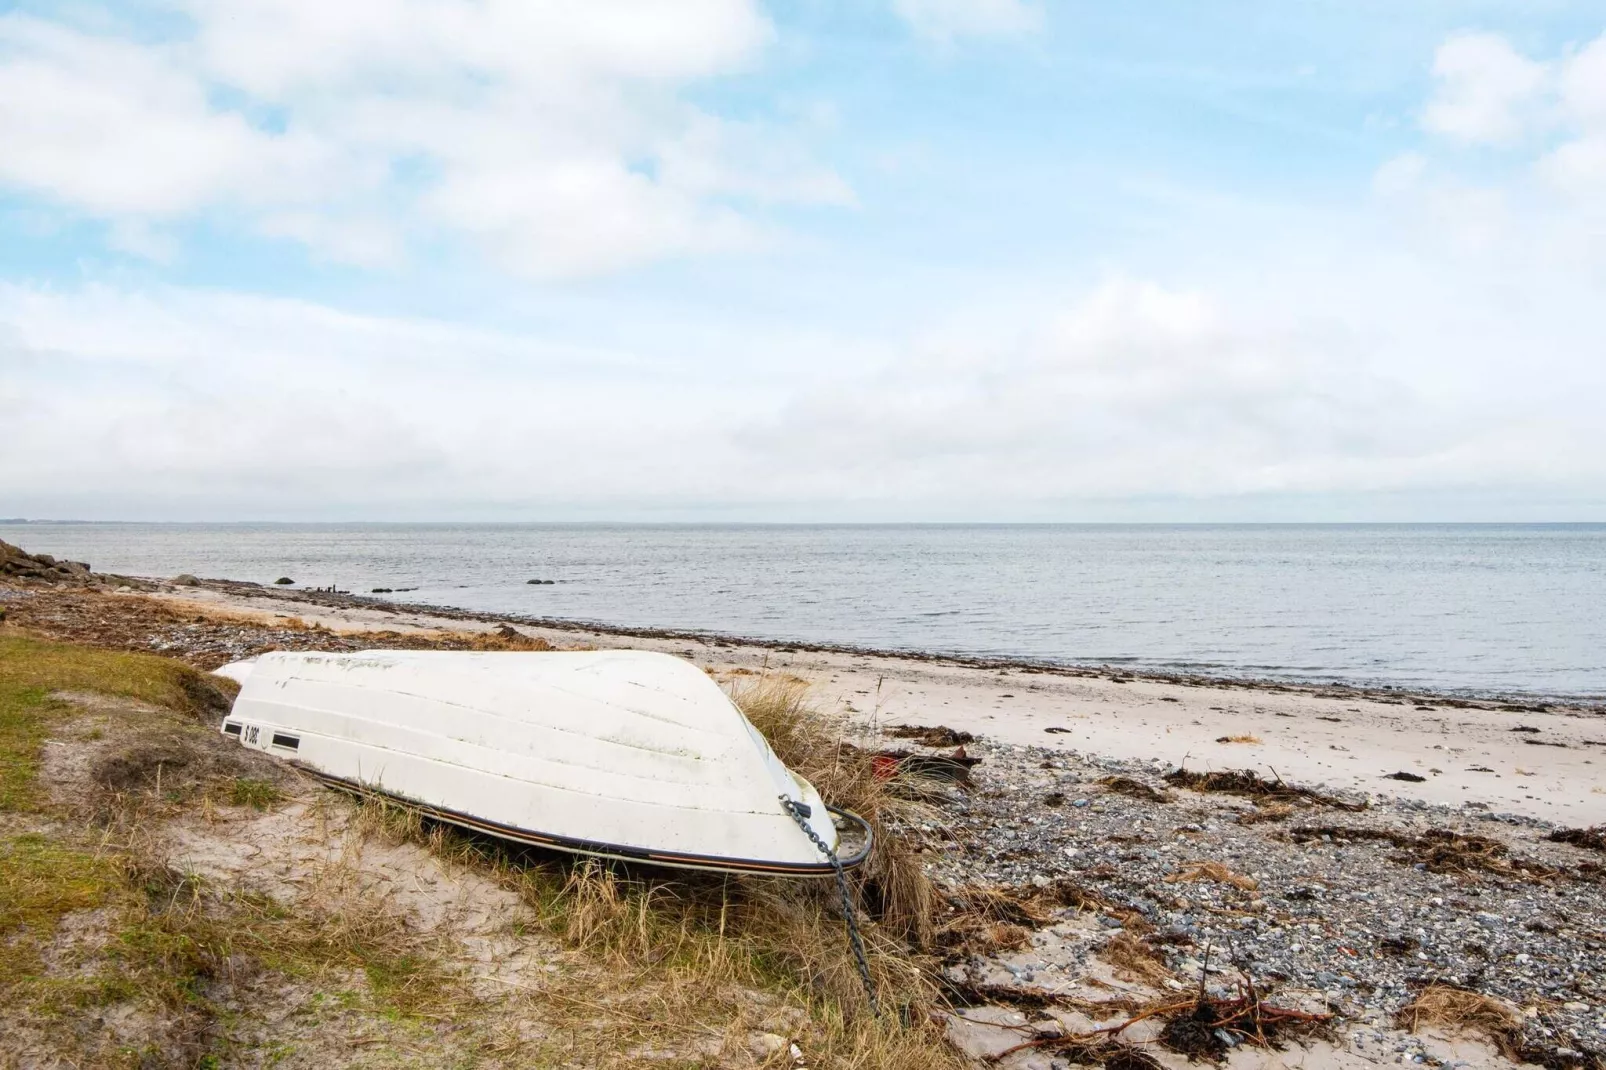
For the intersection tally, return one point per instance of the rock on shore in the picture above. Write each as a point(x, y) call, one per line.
point(18, 563)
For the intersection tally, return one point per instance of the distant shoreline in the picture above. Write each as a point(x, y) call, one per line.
point(1478, 612)
point(1511, 702)
point(338, 524)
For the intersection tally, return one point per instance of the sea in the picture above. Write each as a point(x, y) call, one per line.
point(1476, 609)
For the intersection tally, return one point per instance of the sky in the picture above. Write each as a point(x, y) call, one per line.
point(818, 260)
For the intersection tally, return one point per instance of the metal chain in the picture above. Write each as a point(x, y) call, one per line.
point(798, 812)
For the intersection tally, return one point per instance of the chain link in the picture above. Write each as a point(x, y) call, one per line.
point(850, 914)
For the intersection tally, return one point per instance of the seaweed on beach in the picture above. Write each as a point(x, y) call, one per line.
point(930, 735)
point(983, 919)
point(1249, 784)
point(1266, 811)
point(1436, 850)
point(1592, 838)
point(1463, 1010)
point(1202, 1026)
point(1134, 960)
point(1137, 789)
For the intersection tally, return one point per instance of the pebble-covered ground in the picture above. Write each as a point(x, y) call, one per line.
point(1354, 909)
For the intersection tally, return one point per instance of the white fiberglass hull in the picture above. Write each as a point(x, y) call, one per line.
point(626, 754)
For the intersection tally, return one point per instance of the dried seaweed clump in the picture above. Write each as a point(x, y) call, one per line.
point(1249, 784)
point(1137, 789)
point(1212, 871)
point(1593, 838)
point(930, 735)
point(1464, 1011)
point(1135, 960)
point(1202, 1026)
point(1437, 850)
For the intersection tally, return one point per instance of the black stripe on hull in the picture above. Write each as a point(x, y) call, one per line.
point(715, 863)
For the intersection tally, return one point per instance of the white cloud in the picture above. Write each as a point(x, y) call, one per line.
point(139, 238)
point(1485, 90)
point(1134, 389)
point(1488, 93)
point(1583, 85)
point(552, 134)
point(944, 21)
point(119, 129)
point(1438, 338)
point(270, 405)
point(1366, 381)
point(1400, 174)
point(179, 402)
point(1577, 167)
point(1546, 195)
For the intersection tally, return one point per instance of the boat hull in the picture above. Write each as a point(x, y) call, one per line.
point(621, 754)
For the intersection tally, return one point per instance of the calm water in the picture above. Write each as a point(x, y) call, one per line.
point(1480, 608)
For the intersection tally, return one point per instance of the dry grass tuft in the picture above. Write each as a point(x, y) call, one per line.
point(814, 745)
point(1032, 909)
point(1462, 1010)
point(503, 638)
point(1263, 812)
point(984, 921)
point(677, 950)
point(1134, 960)
point(169, 764)
point(1212, 871)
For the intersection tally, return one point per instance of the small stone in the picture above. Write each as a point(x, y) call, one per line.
point(763, 1044)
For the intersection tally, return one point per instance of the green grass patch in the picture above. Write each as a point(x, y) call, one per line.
point(31, 668)
point(24, 720)
point(254, 792)
point(41, 882)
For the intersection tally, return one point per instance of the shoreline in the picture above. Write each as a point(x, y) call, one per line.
point(1531, 761)
point(1511, 702)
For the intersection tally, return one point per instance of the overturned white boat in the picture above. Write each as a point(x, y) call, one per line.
point(626, 754)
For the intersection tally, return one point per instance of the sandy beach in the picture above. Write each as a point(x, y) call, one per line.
point(1546, 763)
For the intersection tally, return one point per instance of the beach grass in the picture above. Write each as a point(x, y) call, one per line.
point(688, 957)
point(97, 912)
